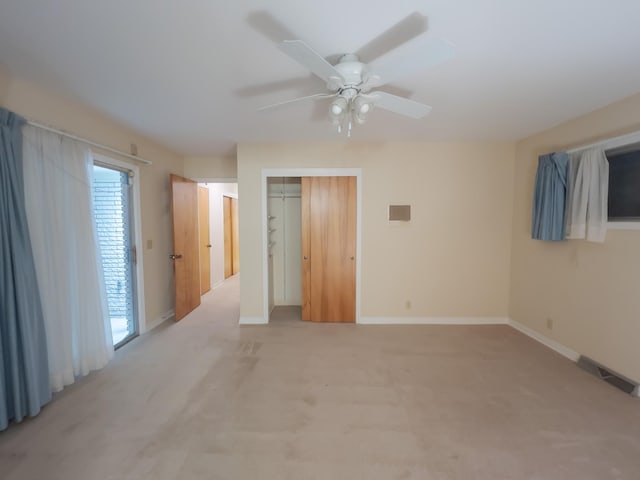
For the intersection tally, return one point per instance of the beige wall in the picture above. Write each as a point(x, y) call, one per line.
point(452, 260)
point(589, 290)
point(210, 168)
point(38, 104)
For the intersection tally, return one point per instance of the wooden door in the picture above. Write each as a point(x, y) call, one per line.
point(184, 194)
point(228, 246)
point(205, 241)
point(231, 244)
point(235, 244)
point(329, 249)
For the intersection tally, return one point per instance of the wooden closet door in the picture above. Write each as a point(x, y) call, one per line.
point(328, 249)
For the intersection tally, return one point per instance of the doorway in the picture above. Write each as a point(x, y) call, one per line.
point(274, 245)
point(285, 247)
point(200, 237)
point(231, 236)
point(204, 238)
point(212, 242)
point(113, 212)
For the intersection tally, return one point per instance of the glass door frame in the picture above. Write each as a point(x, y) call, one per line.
point(136, 239)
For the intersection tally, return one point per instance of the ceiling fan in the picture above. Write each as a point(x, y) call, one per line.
point(351, 83)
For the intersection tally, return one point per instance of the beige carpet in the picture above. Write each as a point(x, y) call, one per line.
point(207, 399)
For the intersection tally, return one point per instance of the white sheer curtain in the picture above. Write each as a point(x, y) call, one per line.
point(58, 176)
point(587, 195)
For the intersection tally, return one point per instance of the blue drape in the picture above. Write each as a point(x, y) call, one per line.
point(549, 197)
point(24, 369)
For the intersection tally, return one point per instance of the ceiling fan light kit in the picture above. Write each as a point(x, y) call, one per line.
point(350, 106)
point(339, 106)
point(350, 81)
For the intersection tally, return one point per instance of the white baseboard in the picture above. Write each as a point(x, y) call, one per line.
point(546, 341)
point(252, 321)
point(433, 320)
point(158, 320)
point(217, 285)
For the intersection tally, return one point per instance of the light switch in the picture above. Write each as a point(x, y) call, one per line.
point(149, 244)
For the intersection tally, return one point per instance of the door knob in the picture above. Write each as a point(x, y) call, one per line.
point(175, 257)
point(352, 258)
point(305, 258)
point(208, 246)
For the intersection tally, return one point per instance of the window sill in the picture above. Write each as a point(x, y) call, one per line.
point(623, 225)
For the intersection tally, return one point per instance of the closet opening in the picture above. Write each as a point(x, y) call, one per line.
point(311, 234)
point(284, 245)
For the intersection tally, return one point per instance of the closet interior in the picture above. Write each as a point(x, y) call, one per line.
point(284, 241)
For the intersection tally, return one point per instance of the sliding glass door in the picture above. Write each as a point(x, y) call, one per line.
point(112, 200)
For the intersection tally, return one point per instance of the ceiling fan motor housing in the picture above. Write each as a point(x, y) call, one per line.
point(351, 70)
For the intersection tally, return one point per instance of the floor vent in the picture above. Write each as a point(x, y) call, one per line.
point(615, 379)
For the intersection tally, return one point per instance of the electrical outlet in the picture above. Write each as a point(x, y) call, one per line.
point(550, 323)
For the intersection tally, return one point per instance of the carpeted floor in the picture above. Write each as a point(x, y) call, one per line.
point(208, 399)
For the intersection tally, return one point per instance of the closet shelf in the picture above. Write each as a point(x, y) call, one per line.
point(284, 195)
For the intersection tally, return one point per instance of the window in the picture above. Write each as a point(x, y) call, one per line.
point(624, 184)
point(112, 209)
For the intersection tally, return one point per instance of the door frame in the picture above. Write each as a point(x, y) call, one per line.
point(308, 172)
point(137, 234)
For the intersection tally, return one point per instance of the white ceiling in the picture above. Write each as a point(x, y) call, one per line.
point(191, 74)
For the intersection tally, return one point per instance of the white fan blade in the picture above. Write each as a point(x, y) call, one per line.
point(405, 30)
point(299, 99)
point(309, 58)
point(399, 105)
point(412, 57)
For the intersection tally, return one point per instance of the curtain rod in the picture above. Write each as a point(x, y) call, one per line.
point(610, 143)
point(89, 142)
